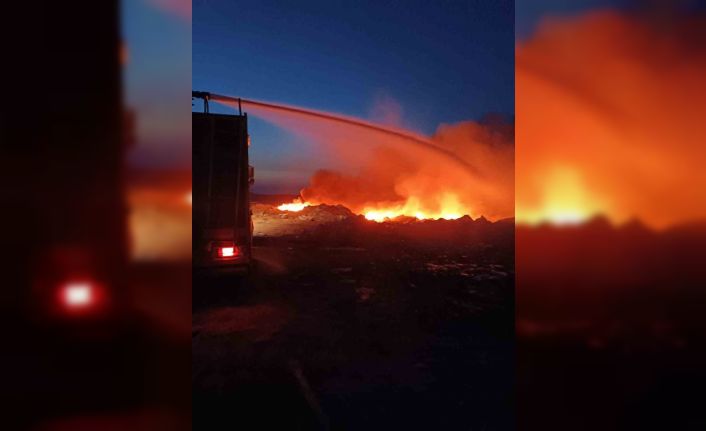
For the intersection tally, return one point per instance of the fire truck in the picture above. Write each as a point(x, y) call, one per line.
point(221, 179)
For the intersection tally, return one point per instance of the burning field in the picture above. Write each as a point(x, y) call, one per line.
point(383, 296)
point(281, 220)
point(390, 273)
point(300, 218)
point(384, 172)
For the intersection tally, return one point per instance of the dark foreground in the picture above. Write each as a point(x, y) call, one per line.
point(361, 326)
point(611, 329)
point(123, 372)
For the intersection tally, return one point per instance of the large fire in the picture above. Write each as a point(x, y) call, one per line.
point(610, 111)
point(451, 210)
point(384, 173)
point(564, 200)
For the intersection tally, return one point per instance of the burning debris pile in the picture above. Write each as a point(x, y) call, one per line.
point(394, 213)
point(338, 223)
point(270, 220)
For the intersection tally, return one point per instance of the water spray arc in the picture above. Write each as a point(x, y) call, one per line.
point(403, 134)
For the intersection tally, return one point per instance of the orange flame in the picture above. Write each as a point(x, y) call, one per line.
point(380, 172)
point(611, 128)
point(564, 199)
point(450, 209)
point(294, 206)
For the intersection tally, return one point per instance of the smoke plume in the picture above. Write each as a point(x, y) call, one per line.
point(463, 169)
point(610, 114)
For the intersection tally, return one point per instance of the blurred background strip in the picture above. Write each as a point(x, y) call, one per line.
point(611, 215)
point(96, 296)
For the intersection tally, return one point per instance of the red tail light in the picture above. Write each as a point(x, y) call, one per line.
point(78, 294)
point(226, 250)
point(81, 297)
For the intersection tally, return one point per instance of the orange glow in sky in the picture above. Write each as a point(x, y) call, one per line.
point(610, 120)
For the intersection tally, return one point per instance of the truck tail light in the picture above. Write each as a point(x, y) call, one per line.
point(78, 294)
point(225, 250)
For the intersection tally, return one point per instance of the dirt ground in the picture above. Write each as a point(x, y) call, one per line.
point(350, 324)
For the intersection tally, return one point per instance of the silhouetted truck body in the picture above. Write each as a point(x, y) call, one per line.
point(222, 226)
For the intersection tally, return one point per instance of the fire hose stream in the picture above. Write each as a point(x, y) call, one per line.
point(403, 134)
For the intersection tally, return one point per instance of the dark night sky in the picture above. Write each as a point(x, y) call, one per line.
point(443, 61)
